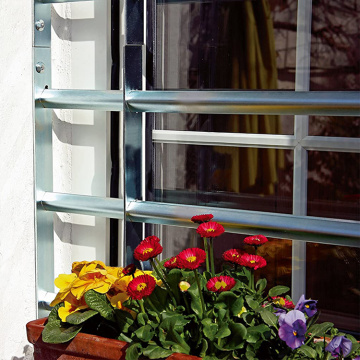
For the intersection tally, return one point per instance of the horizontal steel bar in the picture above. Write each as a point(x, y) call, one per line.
point(83, 204)
point(338, 103)
point(107, 100)
point(341, 103)
point(306, 228)
point(59, 1)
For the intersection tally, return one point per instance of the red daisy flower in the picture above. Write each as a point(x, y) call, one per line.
point(191, 258)
point(279, 300)
point(199, 219)
point(152, 237)
point(210, 229)
point(141, 286)
point(252, 261)
point(255, 240)
point(220, 283)
point(233, 255)
point(172, 263)
point(147, 249)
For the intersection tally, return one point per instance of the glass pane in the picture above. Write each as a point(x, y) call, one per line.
point(333, 185)
point(333, 280)
point(239, 178)
point(335, 45)
point(334, 126)
point(335, 60)
point(226, 45)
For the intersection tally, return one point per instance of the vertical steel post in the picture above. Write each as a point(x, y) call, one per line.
point(133, 122)
point(44, 233)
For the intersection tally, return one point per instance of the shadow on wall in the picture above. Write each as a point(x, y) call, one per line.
point(28, 354)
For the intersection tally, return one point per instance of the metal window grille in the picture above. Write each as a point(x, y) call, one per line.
point(134, 101)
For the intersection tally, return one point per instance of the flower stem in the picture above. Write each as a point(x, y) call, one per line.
point(159, 265)
point(212, 257)
point(207, 253)
point(141, 303)
point(252, 281)
point(154, 308)
point(163, 280)
point(200, 292)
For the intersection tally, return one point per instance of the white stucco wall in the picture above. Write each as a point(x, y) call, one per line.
point(17, 247)
point(80, 59)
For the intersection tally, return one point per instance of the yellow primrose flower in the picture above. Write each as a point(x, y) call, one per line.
point(92, 278)
point(68, 309)
point(242, 311)
point(78, 265)
point(114, 271)
point(184, 286)
point(64, 282)
point(117, 298)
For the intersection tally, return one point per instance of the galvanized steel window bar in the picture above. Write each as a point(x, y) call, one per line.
point(134, 101)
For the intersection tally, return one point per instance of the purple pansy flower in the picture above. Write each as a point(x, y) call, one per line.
point(292, 328)
point(279, 311)
point(306, 306)
point(339, 345)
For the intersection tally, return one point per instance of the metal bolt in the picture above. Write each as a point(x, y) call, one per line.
point(40, 25)
point(40, 67)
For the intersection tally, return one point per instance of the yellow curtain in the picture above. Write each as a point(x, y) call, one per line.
point(249, 26)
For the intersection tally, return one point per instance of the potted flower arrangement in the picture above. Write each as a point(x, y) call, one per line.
point(183, 306)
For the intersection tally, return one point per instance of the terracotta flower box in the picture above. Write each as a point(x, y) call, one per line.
point(82, 347)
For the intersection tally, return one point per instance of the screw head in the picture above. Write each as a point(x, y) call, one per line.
point(40, 67)
point(40, 25)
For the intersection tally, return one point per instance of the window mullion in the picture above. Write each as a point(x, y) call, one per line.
point(302, 83)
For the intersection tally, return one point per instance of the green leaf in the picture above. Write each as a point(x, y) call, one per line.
point(125, 338)
point(221, 314)
point(123, 319)
point(254, 333)
point(193, 291)
point(269, 317)
point(54, 333)
point(173, 278)
point(261, 285)
point(237, 306)
point(320, 329)
point(204, 347)
point(251, 302)
point(177, 321)
point(278, 290)
point(132, 352)
point(79, 317)
point(145, 333)
point(223, 332)
point(160, 299)
point(156, 352)
point(142, 319)
point(100, 303)
point(308, 351)
point(170, 338)
point(210, 329)
point(238, 332)
point(54, 316)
